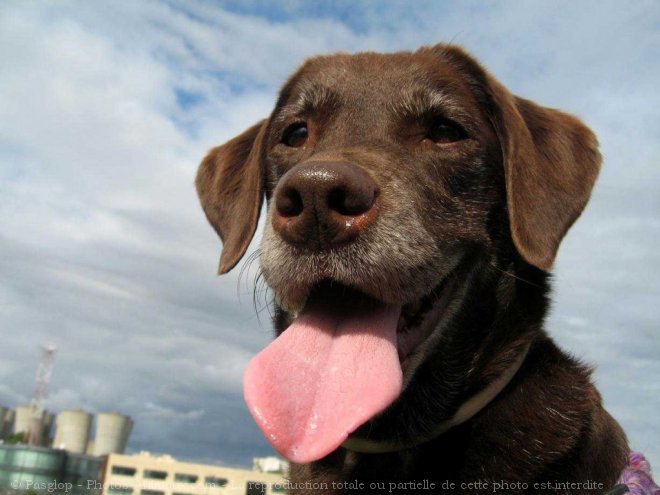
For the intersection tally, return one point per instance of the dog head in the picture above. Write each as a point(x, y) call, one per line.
point(403, 180)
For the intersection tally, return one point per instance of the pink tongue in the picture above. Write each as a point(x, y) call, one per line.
point(327, 374)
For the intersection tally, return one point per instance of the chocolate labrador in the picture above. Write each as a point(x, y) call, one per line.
point(415, 208)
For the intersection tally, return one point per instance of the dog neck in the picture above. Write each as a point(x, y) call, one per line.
point(466, 410)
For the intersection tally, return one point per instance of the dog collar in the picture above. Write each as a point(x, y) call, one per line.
point(467, 410)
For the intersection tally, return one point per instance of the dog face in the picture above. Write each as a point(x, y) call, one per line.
point(390, 180)
point(404, 139)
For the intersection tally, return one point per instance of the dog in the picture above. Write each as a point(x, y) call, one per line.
point(415, 208)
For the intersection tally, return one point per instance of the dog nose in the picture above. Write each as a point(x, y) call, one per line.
point(320, 204)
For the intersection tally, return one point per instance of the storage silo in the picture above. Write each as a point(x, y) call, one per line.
point(22, 419)
point(112, 431)
point(72, 430)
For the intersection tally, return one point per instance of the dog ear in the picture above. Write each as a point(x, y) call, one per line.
point(551, 162)
point(230, 187)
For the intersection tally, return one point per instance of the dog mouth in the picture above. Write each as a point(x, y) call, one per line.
point(341, 362)
point(416, 321)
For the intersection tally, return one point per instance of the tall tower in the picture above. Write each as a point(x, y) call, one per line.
point(44, 372)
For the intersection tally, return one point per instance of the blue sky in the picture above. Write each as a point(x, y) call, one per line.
point(107, 108)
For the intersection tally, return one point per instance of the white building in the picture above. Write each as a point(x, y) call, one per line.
point(146, 474)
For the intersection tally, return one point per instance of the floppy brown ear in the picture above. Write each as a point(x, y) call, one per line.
point(551, 162)
point(230, 188)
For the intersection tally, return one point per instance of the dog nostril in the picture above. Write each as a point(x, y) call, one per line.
point(349, 204)
point(290, 204)
point(337, 201)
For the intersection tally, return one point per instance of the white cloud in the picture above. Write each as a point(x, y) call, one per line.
point(156, 411)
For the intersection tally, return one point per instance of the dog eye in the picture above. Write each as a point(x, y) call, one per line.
point(295, 135)
point(445, 131)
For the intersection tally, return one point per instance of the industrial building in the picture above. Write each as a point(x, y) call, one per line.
point(112, 432)
point(27, 463)
point(73, 429)
point(78, 464)
point(21, 419)
point(27, 468)
point(146, 474)
point(74, 462)
point(71, 457)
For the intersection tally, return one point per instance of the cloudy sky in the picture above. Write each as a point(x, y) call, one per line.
point(106, 109)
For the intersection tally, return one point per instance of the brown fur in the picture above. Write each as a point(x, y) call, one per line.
point(486, 213)
point(229, 184)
